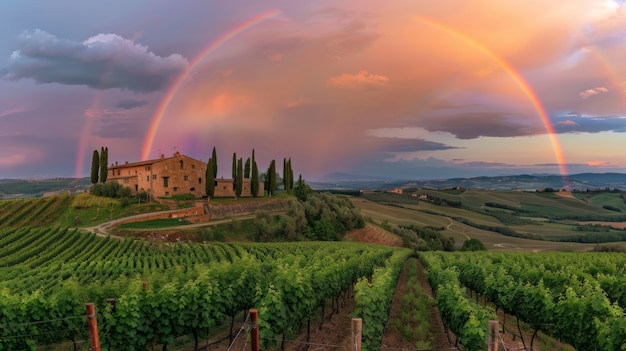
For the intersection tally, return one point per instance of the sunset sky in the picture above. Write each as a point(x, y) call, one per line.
point(402, 89)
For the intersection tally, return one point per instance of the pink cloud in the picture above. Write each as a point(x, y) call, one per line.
point(568, 123)
point(361, 80)
point(593, 91)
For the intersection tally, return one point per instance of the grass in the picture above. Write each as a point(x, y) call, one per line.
point(155, 223)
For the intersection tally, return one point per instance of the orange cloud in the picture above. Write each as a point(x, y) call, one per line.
point(361, 80)
point(598, 163)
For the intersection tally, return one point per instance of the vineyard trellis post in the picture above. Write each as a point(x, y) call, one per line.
point(492, 344)
point(254, 329)
point(357, 324)
point(93, 327)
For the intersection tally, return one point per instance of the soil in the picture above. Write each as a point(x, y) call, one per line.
point(335, 331)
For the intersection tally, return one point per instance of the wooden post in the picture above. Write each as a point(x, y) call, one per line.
point(357, 324)
point(492, 344)
point(254, 330)
point(93, 327)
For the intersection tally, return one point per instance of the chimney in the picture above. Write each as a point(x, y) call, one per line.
point(116, 163)
point(177, 153)
point(162, 156)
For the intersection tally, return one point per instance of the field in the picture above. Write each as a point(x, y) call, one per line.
point(182, 295)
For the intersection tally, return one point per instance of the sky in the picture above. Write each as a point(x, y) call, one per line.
point(400, 88)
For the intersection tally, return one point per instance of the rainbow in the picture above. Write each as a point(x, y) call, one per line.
point(519, 80)
point(158, 114)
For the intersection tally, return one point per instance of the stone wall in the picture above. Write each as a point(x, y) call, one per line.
point(238, 208)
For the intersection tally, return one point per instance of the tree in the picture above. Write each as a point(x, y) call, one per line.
point(473, 245)
point(95, 166)
point(272, 178)
point(210, 178)
point(234, 165)
point(104, 161)
point(254, 182)
point(214, 158)
point(239, 179)
point(246, 169)
point(302, 190)
point(287, 175)
point(290, 183)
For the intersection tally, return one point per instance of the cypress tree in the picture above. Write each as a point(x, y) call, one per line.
point(285, 174)
point(239, 181)
point(214, 158)
point(246, 169)
point(210, 178)
point(272, 173)
point(254, 182)
point(266, 181)
point(95, 166)
point(290, 182)
point(104, 161)
point(234, 166)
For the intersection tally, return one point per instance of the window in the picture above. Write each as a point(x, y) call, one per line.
point(154, 176)
point(147, 178)
point(126, 181)
point(199, 180)
point(135, 171)
point(166, 182)
point(186, 178)
point(193, 166)
point(118, 171)
point(181, 164)
point(148, 168)
point(175, 189)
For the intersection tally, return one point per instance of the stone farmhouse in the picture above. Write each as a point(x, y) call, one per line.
point(167, 176)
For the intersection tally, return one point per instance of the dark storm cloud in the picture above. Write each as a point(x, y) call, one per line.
point(394, 145)
point(472, 125)
point(130, 104)
point(574, 123)
point(103, 61)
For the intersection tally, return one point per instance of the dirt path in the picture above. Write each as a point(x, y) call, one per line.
point(449, 227)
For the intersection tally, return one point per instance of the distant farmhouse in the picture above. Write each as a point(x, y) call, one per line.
point(167, 176)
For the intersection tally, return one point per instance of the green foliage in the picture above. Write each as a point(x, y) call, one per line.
point(234, 170)
point(302, 190)
point(473, 245)
point(210, 177)
point(104, 164)
point(214, 165)
point(111, 189)
point(424, 239)
point(239, 179)
point(95, 167)
point(191, 287)
point(246, 169)
point(254, 182)
point(575, 297)
point(321, 217)
point(387, 197)
point(373, 299)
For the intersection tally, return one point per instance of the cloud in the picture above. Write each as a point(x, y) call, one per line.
point(394, 145)
point(360, 81)
point(114, 123)
point(130, 104)
point(586, 124)
point(103, 61)
point(593, 91)
point(12, 111)
point(472, 125)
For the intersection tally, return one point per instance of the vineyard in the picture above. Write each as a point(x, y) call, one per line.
point(48, 274)
point(576, 297)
